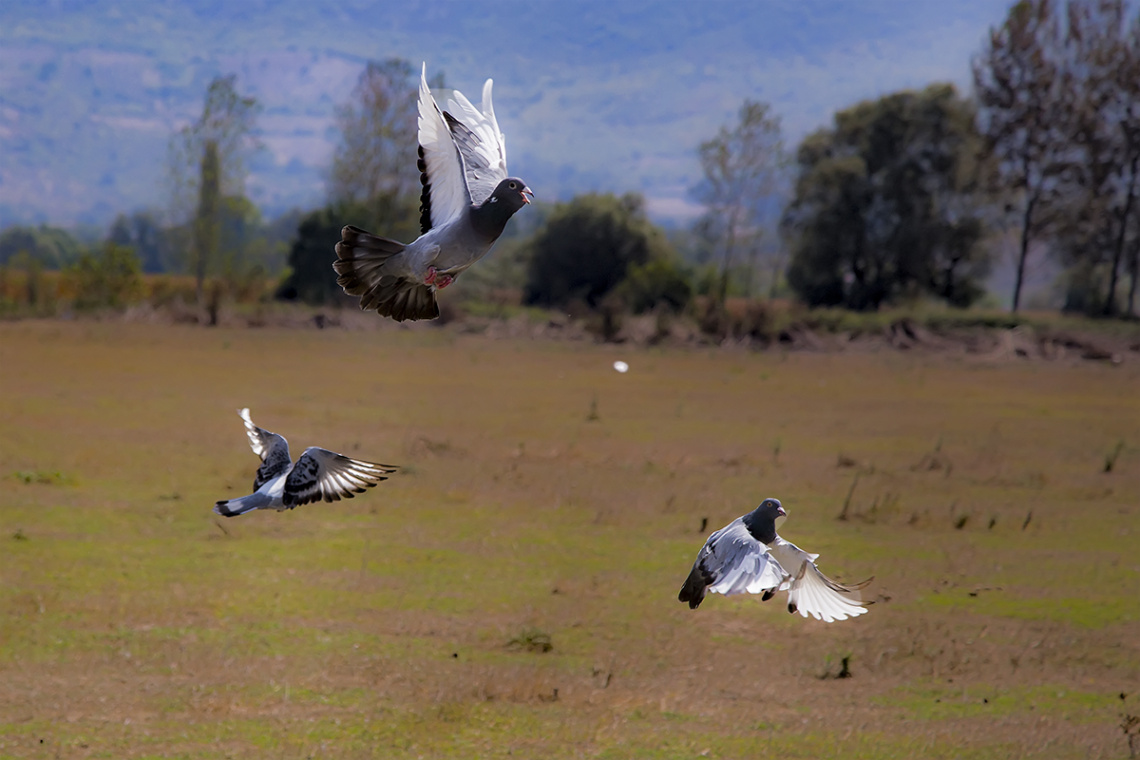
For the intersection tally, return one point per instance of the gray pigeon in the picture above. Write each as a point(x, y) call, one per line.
point(466, 201)
point(748, 556)
point(318, 474)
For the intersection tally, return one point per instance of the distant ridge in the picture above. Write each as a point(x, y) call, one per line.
point(601, 96)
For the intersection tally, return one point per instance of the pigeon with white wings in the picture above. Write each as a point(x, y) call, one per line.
point(318, 474)
point(748, 556)
point(466, 201)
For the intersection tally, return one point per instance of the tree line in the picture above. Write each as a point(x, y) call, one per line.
point(910, 196)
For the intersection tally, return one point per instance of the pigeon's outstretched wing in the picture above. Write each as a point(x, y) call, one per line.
point(481, 143)
point(444, 195)
point(466, 200)
point(810, 592)
point(272, 448)
point(320, 474)
point(732, 562)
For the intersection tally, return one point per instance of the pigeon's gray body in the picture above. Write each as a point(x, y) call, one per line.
point(748, 556)
point(465, 204)
point(318, 474)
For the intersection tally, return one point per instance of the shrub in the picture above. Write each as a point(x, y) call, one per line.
point(659, 282)
point(108, 278)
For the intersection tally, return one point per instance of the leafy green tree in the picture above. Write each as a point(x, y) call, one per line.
point(587, 246)
point(143, 232)
point(312, 278)
point(742, 167)
point(242, 238)
point(51, 247)
point(207, 163)
point(110, 277)
point(36, 293)
point(886, 204)
point(280, 233)
point(1024, 114)
point(657, 282)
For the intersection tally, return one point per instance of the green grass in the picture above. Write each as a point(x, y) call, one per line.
point(989, 701)
point(135, 623)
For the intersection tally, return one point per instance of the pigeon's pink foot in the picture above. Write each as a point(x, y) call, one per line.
point(440, 281)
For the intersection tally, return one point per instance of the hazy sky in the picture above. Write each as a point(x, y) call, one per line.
point(609, 96)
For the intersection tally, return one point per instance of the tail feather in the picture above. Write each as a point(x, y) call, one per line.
point(693, 590)
point(813, 593)
point(848, 588)
point(401, 300)
point(361, 257)
point(235, 507)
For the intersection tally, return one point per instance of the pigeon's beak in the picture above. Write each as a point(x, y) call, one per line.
point(524, 193)
point(780, 511)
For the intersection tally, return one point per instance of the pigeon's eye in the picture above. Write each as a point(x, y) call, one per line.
point(513, 186)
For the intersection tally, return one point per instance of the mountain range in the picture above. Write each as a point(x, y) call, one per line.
point(593, 95)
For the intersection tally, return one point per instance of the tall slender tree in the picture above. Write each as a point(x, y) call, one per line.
point(1023, 115)
point(206, 222)
point(742, 167)
point(1128, 114)
point(1103, 69)
point(207, 161)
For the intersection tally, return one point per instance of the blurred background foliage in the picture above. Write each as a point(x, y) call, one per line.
point(913, 198)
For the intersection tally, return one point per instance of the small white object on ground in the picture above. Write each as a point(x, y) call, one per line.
point(621, 366)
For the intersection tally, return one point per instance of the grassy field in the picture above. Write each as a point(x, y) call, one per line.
point(512, 591)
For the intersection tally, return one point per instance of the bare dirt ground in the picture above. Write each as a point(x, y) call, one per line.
point(512, 592)
point(765, 325)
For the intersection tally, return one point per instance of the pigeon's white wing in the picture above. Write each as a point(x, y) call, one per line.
point(272, 448)
point(810, 592)
point(476, 133)
point(445, 194)
point(737, 563)
point(321, 474)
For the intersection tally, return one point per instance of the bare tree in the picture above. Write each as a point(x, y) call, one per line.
point(1128, 115)
point(742, 167)
point(375, 158)
point(1104, 69)
point(1023, 116)
point(207, 162)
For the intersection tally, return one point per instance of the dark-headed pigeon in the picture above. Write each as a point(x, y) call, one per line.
point(318, 474)
point(466, 201)
point(748, 556)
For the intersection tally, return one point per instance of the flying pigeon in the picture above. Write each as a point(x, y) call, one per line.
point(283, 484)
point(466, 201)
point(747, 555)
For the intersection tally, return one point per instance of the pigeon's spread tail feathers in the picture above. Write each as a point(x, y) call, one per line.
point(813, 593)
point(361, 257)
point(693, 590)
point(235, 507)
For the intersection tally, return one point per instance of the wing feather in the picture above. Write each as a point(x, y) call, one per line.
point(320, 474)
point(738, 563)
point(445, 194)
point(480, 141)
point(813, 594)
point(271, 447)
